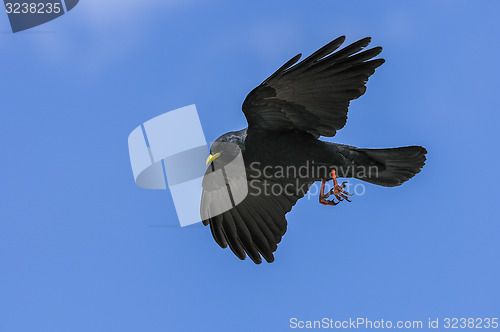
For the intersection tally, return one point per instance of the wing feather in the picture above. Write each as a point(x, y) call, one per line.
point(314, 94)
point(255, 226)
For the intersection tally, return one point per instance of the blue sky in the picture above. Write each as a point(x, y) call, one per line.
point(79, 249)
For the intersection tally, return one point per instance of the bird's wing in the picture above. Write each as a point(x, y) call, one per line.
point(313, 95)
point(254, 226)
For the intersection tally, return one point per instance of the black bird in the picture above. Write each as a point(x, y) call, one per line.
point(282, 155)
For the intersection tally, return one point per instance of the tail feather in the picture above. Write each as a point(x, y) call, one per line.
point(399, 165)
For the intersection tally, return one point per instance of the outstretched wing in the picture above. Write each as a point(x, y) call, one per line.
point(254, 226)
point(313, 95)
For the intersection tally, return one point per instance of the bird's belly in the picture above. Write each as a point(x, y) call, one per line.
point(292, 156)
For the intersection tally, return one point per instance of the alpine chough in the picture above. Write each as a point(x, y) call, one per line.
point(282, 155)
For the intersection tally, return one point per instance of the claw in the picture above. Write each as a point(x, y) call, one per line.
point(328, 194)
point(342, 186)
point(344, 197)
point(337, 191)
point(328, 202)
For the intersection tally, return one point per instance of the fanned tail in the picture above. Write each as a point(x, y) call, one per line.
point(399, 165)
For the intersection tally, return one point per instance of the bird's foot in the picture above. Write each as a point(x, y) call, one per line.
point(337, 191)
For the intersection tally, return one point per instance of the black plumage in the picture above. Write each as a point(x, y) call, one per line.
point(286, 115)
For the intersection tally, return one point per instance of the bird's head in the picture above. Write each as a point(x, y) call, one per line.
point(227, 147)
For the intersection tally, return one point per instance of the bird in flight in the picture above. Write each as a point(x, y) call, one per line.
point(281, 154)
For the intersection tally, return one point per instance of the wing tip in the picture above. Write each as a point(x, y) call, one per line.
point(283, 68)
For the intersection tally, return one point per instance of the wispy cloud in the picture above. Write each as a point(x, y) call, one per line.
point(99, 32)
point(98, 13)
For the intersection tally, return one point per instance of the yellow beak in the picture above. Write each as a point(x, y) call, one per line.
point(212, 158)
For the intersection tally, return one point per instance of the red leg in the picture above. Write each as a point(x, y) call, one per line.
point(322, 196)
point(337, 191)
point(337, 187)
